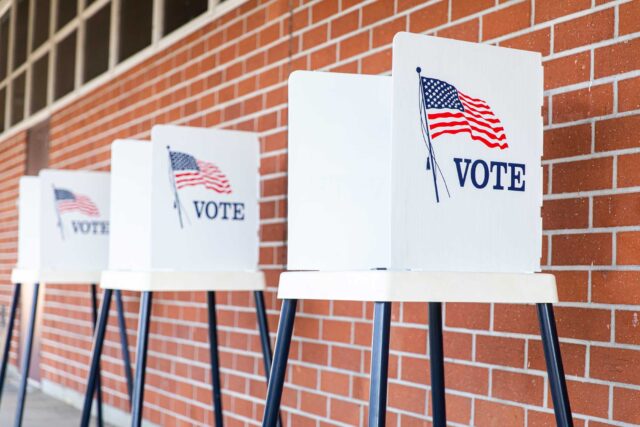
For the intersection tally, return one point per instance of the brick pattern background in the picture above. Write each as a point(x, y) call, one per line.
point(232, 73)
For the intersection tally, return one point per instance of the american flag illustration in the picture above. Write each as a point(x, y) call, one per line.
point(189, 171)
point(67, 201)
point(456, 112)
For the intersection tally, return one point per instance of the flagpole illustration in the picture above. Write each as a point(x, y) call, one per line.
point(431, 160)
point(55, 207)
point(176, 202)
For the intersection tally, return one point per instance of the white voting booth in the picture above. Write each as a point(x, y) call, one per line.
point(63, 237)
point(185, 211)
point(63, 228)
point(184, 217)
point(425, 185)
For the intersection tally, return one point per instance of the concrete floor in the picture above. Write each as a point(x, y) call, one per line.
point(41, 410)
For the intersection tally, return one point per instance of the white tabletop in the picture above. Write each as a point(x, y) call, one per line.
point(30, 276)
point(419, 286)
point(159, 281)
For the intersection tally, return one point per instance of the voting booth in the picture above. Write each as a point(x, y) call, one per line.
point(184, 217)
point(425, 186)
point(63, 237)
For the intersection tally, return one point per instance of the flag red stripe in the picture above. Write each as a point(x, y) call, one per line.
point(451, 124)
point(474, 137)
point(437, 123)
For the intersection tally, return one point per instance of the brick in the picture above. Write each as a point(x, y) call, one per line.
point(323, 57)
point(567, 141)
point(324, 9)
point(565, 214)
point(567, 70)
point(407, 398)
point(628, 171)
point(315, 36)
point(313, 403)
point(618, 133)
point(548, 419)
point(572, 285)
point(536, 41)
point(582, 249)
point(462, 8)
point(468, 316)
point(500, 351)
point(344, 24)
point(334, 382)
point(429, 17)
point(415, 370)
point(376, 11)
point(583, 323)
point(615, 364)
point(354, 45)
point(336, 331)
point(406, 339)
point(377, 63)
point(615, 287)
point(583, 103)
point(628, 327)
point(625, 405)
point(518, 318)
point(628, 21)
point(616, 210)
point(573, 357)
point(472, 379)
point(588, 398)
point(494, 414)
point(629, 94)
point(584, 30)
point(345, 411)
point(628, 248)
point(583, 175)
point(617, 59)
point(547, 10)
point(466, 31)
point(507, 20)
point(518, 387)
point(458, 345)
point(383, 33)
point(458, 408)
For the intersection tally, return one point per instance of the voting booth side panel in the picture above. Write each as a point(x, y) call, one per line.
point(29, 223)
point(204, 199)
point(74, 220)
point(130, 242)
point(339, 171)
point(467, 147)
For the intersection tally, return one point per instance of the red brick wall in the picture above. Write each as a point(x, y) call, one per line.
point(232, 74)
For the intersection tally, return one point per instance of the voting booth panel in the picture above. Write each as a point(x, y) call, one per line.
point(29, 223)
point(185, 218)
point(186, 203)
point(412, 172)
point(425, 186)
point(63, 227)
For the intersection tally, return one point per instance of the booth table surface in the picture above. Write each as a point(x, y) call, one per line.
point(172, 281)
point(419, 286)
point(30, 276)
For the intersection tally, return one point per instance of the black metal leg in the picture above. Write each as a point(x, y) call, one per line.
point(379, 364)
point(265, 342)
point(555, 370)
point(437, 365)
point(7, 341)
point(26, 362)
point(141, 362)
point(279, 366)
point(94, 316)
point(96, 351)
point(124, 344)
point(215, 362)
